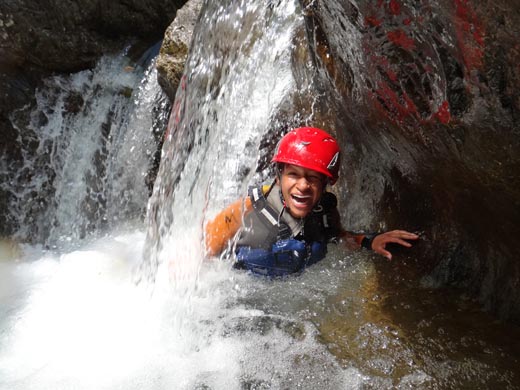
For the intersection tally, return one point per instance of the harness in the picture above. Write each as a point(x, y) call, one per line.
point(268, 245)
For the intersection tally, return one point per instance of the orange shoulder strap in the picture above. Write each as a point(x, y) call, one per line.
point(225, 225)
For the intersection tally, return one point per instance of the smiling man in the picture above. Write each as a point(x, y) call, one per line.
point(286, 226)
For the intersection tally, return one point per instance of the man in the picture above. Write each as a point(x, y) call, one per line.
point(285, 227)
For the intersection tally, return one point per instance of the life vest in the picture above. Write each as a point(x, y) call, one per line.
point(270, 246)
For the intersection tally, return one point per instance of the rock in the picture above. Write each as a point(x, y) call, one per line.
point(36, 34)
point(426, 105)
point(175, 47)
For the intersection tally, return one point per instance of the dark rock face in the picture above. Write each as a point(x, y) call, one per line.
point(67, 36)
point(15, 92)
point(426, 104)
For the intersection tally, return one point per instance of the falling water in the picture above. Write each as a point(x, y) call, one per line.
point(88, 147)
point(74, 318)
point(222, 110)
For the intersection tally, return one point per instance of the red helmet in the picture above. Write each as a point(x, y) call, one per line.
point(310, 148)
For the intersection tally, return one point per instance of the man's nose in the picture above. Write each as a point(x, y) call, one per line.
point(303, 183)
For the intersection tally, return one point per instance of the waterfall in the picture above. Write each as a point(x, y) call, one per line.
point(89, 146)
point(227, 101)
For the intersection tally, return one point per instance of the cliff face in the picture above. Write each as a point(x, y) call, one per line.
point(426, 103)
point(67, 36)
point(175, 47)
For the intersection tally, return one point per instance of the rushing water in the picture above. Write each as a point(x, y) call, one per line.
point(77, 320)
point(73, 317)
point(87, 146)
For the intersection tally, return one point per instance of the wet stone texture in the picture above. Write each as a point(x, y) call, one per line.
point(426, 104)
point(175, 46)
point(36, 34)
point(40, 38)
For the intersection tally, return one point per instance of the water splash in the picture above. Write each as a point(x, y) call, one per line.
point(88, 146)
point(229, 92)
point(77, 320)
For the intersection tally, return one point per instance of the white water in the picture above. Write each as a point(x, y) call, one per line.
point(78, 321)
point(211, 154)
point(95, 143)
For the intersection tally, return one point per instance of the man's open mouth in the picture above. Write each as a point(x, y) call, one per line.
point(301, 199)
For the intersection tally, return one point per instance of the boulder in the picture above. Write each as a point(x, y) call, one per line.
point(36, 34)
point(175, 47)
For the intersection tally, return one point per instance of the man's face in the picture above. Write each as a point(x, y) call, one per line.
point(301, 189)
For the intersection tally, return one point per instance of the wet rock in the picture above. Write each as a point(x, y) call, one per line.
point(39, 38)
point(73, 103)
point(425, 104)
point(14, 92)
point(36, 34)
point(265, 324)
point(175, 47)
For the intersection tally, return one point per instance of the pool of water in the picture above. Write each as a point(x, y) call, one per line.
point(79, 320)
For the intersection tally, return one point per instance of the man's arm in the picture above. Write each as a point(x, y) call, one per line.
point(219, 231)
point(378, 242)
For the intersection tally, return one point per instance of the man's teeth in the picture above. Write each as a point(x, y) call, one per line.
point(300, 198)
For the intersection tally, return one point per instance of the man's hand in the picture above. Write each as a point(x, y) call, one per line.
point(394, 237)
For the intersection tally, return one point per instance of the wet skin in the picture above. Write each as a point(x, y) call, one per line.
point(301, 189)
